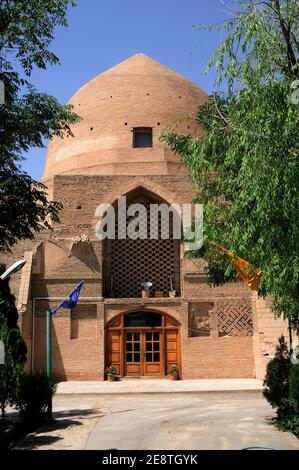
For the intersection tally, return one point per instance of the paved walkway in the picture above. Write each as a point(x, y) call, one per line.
point(229, 420)
point(157, 386)
point(181, 424)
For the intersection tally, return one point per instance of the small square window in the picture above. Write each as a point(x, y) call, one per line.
point(142, 137)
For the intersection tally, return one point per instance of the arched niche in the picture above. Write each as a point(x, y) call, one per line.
point(128, 263)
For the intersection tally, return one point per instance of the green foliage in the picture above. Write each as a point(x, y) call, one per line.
point(289, 414)
point(291, 423)
point(174, 370)
point(23, 205)
point(15, 356)
point(294, 387)
point(246, 166)
point(33, 392)
point(110, 371)
point(276, 382)
point(26, 28)
point(15, 347)
point(5, 372)
point(28, 117)
point(282, 388)
point(8, 308)
point(261, 44)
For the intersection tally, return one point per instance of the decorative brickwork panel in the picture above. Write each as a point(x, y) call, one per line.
point(200, 318)
point(234, 317)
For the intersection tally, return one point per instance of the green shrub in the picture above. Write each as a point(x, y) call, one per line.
point(289, 418)
point(34, 390)
point(15, 347)
point(282, 389)
point(276, 382)
point(294, 387)
point(291, 424)
point(15, 355)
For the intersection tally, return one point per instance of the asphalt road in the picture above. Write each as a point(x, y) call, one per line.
point(189, 423)
point(163, 422)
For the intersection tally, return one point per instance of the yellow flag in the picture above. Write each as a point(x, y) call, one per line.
point(250, 275)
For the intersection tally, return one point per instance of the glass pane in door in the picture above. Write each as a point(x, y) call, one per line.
point(152, 346)
point(133, 347)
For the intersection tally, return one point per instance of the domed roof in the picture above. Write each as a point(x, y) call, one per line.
point(137, 93)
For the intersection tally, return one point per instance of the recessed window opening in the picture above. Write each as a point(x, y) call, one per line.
point(142, 319)
point(142, 137)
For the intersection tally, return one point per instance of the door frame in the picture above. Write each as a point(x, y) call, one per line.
point(143, 362)
point(116, 326)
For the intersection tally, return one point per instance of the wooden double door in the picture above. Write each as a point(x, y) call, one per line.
point(143, 351)
point(143, 344)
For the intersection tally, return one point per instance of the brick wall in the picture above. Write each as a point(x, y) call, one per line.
point(78, 341)
point(266, 333)
point(229, 357)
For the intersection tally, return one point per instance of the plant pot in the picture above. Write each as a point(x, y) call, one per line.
point(173, 376)
point(172, 293)
point(110, 378)
point(145, 294)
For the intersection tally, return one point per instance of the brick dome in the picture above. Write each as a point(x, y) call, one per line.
point(138, 94)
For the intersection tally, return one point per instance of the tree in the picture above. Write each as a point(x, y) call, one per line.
point(8, 308)
point(15, 347)
point(246, 166)
point(15, 357)
point(282, 388)
point(276, 382)
point(5, 376)
point(28, 117)
point(9, 315)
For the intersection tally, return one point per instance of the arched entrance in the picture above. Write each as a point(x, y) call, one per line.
point(143, 343)
point(128, 263)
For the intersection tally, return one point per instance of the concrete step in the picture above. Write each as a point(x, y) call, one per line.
point(158, 387)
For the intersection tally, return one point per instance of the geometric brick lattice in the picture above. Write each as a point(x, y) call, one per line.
point(136, 261)
point(132, 262)
point(234, 318)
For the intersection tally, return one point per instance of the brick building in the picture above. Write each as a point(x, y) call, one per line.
point(209, 332)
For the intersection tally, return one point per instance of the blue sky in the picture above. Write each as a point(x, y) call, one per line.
point(104, 33)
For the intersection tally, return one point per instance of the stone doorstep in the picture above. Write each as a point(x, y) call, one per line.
point(157, 387)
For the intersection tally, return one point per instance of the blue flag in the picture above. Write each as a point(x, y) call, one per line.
point(71, 300)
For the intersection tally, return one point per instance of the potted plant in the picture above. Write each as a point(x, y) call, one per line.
point(174, 372)
point(111, 373)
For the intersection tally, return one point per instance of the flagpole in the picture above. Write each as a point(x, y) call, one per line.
point(49, 355)
point(71, 304)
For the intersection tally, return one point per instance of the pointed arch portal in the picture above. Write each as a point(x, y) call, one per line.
point(128, 263)
point(143, 343)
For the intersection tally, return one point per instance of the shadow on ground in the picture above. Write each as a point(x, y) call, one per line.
point(62, 420)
